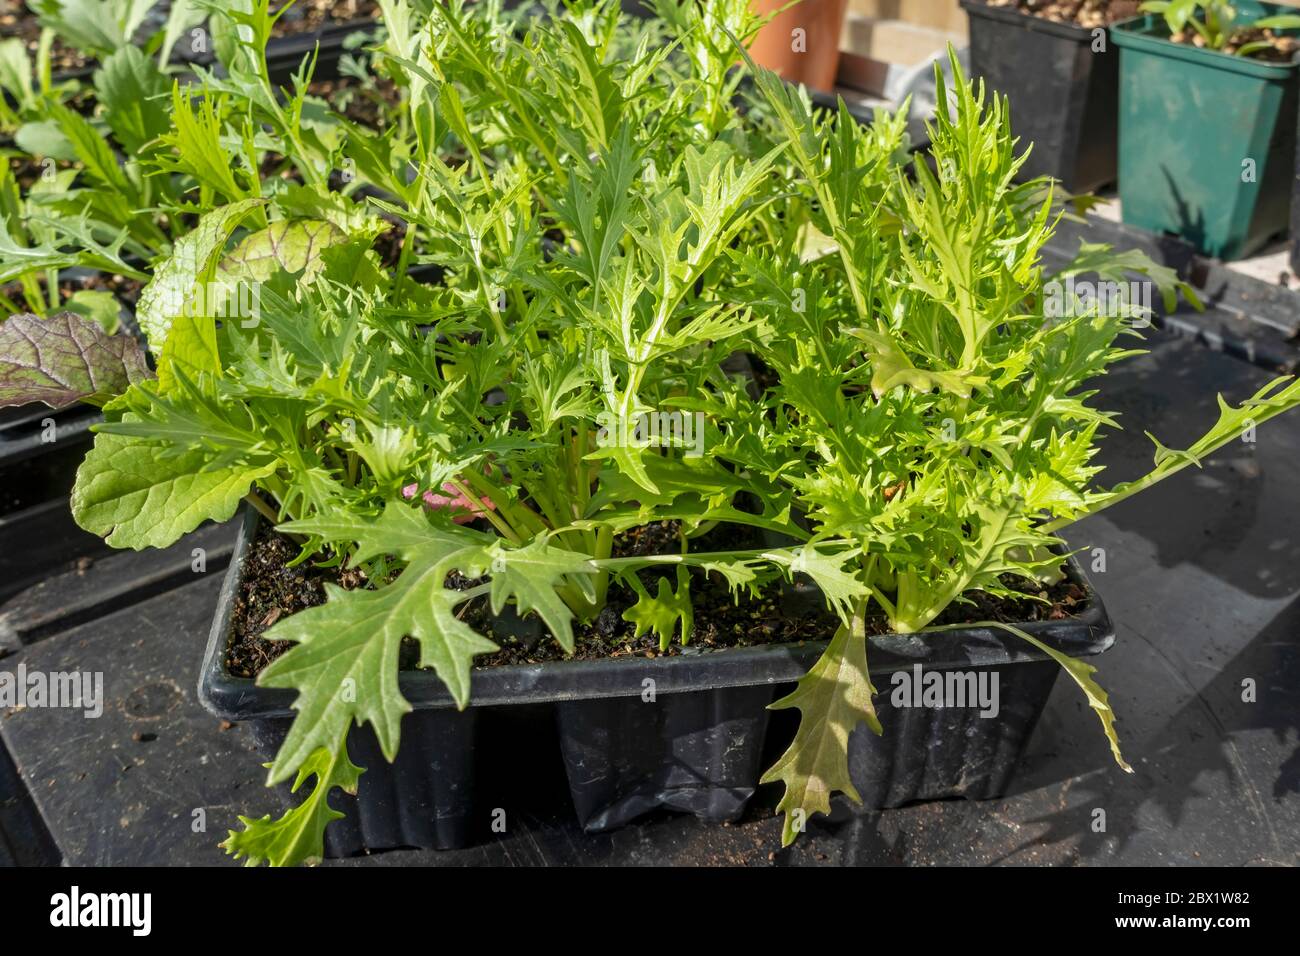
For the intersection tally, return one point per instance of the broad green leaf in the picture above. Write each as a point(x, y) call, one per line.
point(65, 359)
point(193, 260)
point(292, 246)
point(130, 493)
point(16, 72)
point(99, 306)
point(190, 348)
point(299, 835)
point(96, 27)
point(45, 138)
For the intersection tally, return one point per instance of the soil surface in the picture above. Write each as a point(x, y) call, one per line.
point(126, 290)
point(365, 105)
point(271, 590)
point(1100, 13)
point(1282, 48)
point(1086, 13)
point(17, 21)
point(307, 15)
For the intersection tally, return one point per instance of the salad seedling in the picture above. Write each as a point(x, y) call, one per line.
point(614, 227)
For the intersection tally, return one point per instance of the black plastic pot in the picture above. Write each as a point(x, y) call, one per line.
point(687, 733)
point(1064, 97)
point(37, 534)
point(285, 54)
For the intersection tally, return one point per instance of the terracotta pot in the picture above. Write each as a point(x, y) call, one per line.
point(809, 57)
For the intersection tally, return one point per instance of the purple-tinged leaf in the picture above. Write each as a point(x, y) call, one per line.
point(64, 359)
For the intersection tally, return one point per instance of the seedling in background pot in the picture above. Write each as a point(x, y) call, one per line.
point(1214, 24)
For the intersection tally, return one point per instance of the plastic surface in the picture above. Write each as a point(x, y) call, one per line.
point(698, 752)
point(1295, 208)
point(688, 732)
point(1207, 140)
point(1063, 96)
point(25, 430)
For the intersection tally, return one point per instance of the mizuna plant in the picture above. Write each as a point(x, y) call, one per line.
point(1215, 23)
point(613, 228)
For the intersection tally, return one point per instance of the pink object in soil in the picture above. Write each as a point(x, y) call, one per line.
point(452, 500)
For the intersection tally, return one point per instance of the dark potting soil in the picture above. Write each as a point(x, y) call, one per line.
point(365, 105)
point(1100, 13)
point(124, 289)
point(17, 21)
point(1086, 13)
point(308, 15)
point(271, 590)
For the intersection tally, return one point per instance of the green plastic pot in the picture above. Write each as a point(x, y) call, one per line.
point(1189, 121)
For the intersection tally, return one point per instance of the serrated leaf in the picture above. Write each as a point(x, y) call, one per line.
point(131, 88)
point(1268, 402)
point(661, 611)
point(299, 835)
point(842, 589)
point(891, 367)
point(132, 495)
point(400, 530)
point(832, 698)
point(345, 662)
point(64, 359)
point(531, 575)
